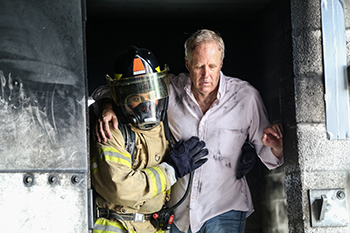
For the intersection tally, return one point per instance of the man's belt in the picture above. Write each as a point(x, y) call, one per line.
point(135, 217)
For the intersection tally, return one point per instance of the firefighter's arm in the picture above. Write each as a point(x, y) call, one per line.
point(116, 181)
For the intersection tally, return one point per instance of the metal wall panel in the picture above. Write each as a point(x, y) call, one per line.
point(335, 69)
point(43, 145)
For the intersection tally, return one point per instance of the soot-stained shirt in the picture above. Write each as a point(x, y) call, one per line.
point(237, 112)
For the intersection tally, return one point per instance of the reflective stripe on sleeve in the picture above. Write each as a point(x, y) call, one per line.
point(112, 155)
point(106, 226)
point(158, 180)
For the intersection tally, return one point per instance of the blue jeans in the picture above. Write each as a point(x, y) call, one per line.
point(229, 222)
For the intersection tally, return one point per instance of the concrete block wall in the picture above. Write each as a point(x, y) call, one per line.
point(292, 86)
point(311, 160)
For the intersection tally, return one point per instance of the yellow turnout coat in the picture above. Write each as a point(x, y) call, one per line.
point(130, 185)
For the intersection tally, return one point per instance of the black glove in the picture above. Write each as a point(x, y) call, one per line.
point(187, 156)
point(247, 160)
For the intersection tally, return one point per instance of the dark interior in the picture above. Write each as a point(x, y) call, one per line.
point(110, 33)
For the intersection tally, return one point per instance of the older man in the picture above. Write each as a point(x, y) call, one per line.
point(222, 111)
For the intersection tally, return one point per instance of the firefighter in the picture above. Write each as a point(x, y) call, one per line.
point(132, 184)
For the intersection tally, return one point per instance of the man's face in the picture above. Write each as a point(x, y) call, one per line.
point(205, 68)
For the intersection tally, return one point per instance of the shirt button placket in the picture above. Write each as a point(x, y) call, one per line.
point(196, 179)
point(194, 198)
point(201, 129)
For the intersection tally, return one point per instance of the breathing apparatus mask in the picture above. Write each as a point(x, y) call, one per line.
point(140, 88)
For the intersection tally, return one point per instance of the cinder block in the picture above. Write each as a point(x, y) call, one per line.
point(317, 153)
point(303, 17)
point(347, 39)
point(309, 99)
point(307, 52)
point(347, 13)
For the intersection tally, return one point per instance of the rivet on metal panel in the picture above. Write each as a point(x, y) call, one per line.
point(340, 195)
point(28, 180)
point(76, 179)
point(53, 179)
point(15, 83)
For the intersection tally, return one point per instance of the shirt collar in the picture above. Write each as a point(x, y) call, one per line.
point(188, 85)
point(222, 86)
